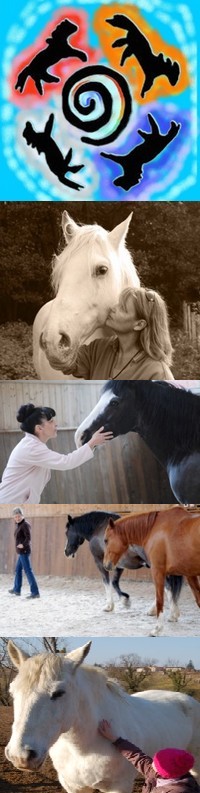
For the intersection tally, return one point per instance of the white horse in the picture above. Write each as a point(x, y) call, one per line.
point(58, 704)
point(88, 277)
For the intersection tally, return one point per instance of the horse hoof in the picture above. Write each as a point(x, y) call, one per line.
point(172, 618)
point(125, 603)
point(109, 607)
point(151, 612)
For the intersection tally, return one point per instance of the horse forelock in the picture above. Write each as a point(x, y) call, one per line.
point(141, 524)
point(39, 670)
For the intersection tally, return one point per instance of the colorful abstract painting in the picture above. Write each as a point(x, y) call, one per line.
point(99, 101)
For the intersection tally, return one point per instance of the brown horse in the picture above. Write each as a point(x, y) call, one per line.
point(171, 540)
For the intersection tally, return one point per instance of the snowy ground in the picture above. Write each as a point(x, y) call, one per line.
point(74, 606)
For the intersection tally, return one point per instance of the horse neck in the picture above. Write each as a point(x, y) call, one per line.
point(135, 529)
point(96, 523)
point(150, 428)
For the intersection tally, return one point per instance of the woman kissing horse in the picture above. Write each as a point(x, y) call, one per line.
point(91, 527)
point(168, 420)
point(171, 540)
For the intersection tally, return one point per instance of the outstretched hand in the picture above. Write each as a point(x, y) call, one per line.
point(105, 729)
point(100, 437)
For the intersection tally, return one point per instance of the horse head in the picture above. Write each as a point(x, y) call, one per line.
point(115, 545)
point(88, 277)
point(74, 540)
point(112, 412)
point(44, 703)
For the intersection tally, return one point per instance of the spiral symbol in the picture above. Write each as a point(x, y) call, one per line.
point(105, 109)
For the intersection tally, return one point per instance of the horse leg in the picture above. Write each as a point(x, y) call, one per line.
point(195, 587)
point(115, 583)
point(109, 606)
point(159, 581)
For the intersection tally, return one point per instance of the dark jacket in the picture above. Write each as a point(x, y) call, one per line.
point(23, 536)
point(143, 763)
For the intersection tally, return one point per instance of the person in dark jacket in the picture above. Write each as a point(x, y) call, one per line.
point(23, 549)
point(168, 770)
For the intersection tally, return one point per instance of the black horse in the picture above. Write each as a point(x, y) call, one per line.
point(91, 527)
point(168, 420)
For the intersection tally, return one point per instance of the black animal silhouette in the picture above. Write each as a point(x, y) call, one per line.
point(138, 45)
point(43, 142)
point(154, 142)
point(58, 48)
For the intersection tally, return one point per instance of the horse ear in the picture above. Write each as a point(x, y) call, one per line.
point(69, 519)
point(111, 523)
point(77, 656)
point(119, 233)
point(17, 655)
point(69, 226)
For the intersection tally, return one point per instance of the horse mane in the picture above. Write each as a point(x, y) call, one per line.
point(142, 524)
point(88, 235)
point(100, 674)
point(175, 411)
point(88, 522)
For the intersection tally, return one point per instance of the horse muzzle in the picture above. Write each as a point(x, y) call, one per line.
point(27, 760)
point(61, 355)
point(108, 566)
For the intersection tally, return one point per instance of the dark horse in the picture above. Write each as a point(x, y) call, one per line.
point(168, 420)
point(91, 527)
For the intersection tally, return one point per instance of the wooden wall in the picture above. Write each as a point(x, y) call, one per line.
point(48, 540)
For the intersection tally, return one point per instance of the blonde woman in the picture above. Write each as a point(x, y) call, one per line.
point(140, 348)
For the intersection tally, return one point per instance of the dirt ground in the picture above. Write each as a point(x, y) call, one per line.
point(74, 607)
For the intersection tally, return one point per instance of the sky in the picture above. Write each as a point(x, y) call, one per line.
point(104, 650)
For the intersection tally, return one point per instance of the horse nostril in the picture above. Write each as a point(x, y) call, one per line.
point(65, 340)
point(41, 341)
point(31, 754)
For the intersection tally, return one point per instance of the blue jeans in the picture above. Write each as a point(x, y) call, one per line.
point(23, 563)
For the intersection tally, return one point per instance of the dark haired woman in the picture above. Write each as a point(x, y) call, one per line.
point(29, 465)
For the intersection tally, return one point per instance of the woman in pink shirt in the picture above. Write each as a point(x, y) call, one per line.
point(29, 465)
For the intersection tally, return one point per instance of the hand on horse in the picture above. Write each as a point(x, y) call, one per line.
point(105, 729)
point(100, 437)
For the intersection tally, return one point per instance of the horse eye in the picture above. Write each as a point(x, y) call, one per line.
point(114, 403)
point(105, 542)
point(57, 694)
point(101, 270)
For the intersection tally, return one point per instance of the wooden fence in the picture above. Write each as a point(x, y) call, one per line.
point(123, 471)
point(191, 322)
point(48, 540)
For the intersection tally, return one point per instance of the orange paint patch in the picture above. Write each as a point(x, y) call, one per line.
point(132, 69)
point(63, 68)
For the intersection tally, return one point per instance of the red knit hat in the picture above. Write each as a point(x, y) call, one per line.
point(172, 763)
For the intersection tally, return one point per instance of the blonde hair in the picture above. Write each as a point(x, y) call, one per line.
point(154, 338)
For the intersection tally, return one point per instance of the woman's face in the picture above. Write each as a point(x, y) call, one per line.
point(47, 430)
point(122, 320)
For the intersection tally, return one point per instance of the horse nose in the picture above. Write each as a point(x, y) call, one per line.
point(108, 566)
point(64, 340)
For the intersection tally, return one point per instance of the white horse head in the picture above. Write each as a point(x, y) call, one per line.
point(58, 704)
point(88, 277)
